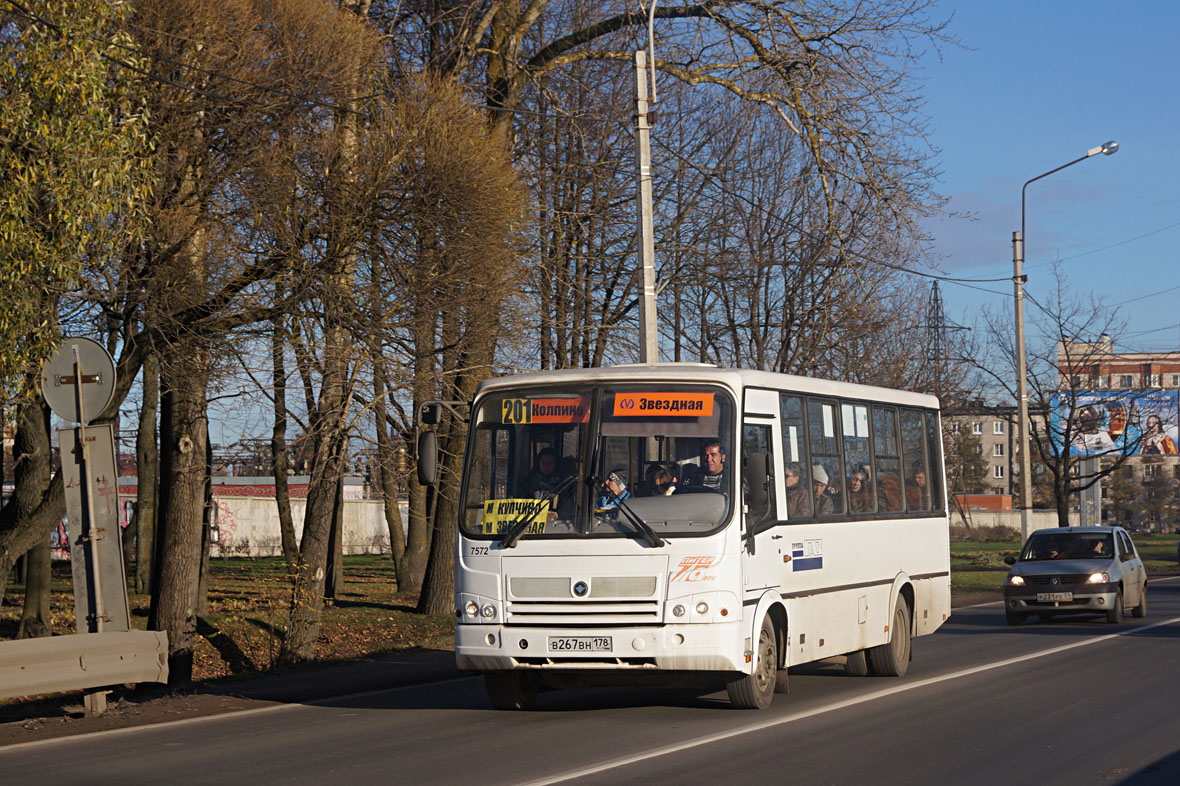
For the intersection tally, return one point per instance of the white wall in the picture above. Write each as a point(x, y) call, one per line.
point(1039, 519)
point(249, 526)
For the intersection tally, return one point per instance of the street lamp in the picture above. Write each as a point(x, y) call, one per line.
point(1018, 279)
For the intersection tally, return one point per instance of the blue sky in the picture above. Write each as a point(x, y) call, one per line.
point(1035, 85)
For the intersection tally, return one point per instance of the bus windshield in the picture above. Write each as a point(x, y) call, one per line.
point(553, 462)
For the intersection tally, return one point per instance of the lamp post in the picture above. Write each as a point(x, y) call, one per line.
point(1018, 279)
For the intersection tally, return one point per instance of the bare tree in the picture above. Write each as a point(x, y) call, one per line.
point(1065, 348)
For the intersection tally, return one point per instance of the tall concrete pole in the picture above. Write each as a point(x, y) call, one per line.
point(1022, 388)
point(648, 346)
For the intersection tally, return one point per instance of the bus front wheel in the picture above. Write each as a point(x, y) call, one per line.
point(756, 691)
point(510, 690)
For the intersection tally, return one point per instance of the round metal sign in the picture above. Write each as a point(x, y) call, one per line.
point(81, 369)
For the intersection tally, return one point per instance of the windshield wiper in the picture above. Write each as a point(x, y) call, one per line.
point(521, 523)
point(642, 527)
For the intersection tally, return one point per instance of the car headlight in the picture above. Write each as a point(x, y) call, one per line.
point(1098, 578)
point(1016, 581)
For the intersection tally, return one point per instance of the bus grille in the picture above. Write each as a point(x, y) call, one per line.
point(611, 600)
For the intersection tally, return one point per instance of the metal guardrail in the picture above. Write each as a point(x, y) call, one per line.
point(82, 660)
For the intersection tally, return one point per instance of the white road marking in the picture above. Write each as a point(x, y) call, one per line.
point(709, 739)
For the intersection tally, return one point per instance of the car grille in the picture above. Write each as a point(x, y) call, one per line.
point(1062, 581)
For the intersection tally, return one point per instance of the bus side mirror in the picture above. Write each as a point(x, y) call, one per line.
point(427, 457)
point(430, 413)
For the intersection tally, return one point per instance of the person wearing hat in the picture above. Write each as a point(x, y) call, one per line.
point(615, 489)
point(819, 481)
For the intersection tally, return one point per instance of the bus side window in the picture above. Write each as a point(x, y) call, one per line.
point(934, 468)
point(827, 467)
point(758, 473)
point(796, 463)
point(913, 452)
point(887, 460)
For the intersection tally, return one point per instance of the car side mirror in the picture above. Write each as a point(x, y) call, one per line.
point(1009, 560)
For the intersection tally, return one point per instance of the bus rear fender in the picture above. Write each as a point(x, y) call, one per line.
point(902, 588)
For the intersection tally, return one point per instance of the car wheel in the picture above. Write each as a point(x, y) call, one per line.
point(1115, 614)
point(1140, 611)
point(510, 690)
point(857, 664)
point(1014, 617)
point(893, 658)
point(756, 691)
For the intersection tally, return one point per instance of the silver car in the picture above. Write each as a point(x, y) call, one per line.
point(1076, 570)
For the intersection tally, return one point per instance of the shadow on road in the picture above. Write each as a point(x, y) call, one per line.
point(1166, 770)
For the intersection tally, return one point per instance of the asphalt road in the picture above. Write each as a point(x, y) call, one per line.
point(1072, 701)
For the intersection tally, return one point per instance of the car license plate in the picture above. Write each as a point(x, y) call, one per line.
point(579, 643)
point(1049, 596)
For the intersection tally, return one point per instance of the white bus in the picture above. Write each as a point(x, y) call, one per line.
point(676, 521)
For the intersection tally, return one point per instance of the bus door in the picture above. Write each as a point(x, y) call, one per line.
point(761, 489)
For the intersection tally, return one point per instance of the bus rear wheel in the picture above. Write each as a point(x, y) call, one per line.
point(510, 690)
point(857, 664)
point(893, 658)
point(756, 691)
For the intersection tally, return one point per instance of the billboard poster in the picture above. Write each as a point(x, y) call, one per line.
point(1135, 422)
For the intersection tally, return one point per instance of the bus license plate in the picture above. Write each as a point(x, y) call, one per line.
point(1049, 596)
point(579, 643)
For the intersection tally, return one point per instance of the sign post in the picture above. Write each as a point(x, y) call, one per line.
point(77, 382)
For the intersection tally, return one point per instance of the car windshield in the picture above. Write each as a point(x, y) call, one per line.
point(616, 461)
point(1068, 545)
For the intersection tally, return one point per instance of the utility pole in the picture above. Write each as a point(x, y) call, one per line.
point(1022, 388)
point(648, 346)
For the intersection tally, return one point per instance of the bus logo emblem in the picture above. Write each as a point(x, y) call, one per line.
point(581, 588)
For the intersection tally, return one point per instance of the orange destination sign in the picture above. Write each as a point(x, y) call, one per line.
point(545, 410)
point(663, 405)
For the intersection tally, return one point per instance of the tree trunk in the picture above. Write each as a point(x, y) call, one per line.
point(334, 586)
point(35, 620)
point(184, 375)
point(148, 469)
point(38, 499)
point(278, 446)
point(387, 469)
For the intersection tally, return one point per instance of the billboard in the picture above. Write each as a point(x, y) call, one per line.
point(1134, 422)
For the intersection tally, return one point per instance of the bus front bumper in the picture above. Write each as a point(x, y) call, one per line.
point(697, 647)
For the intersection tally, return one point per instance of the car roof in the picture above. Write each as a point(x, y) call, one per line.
point(1078, 530)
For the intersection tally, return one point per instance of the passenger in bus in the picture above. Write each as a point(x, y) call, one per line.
point(860, 499)
point(614, 490)
point(663, 483)
point(798, 500)
point(917, 493)
point(544, 476)
point(714, 477)
point(819, 481)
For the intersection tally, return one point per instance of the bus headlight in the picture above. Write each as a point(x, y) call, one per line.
point(702, 608)
point(472, 608)
point(678, 610)
point(488, 611)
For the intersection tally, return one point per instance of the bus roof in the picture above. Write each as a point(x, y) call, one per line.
point(735, 379)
